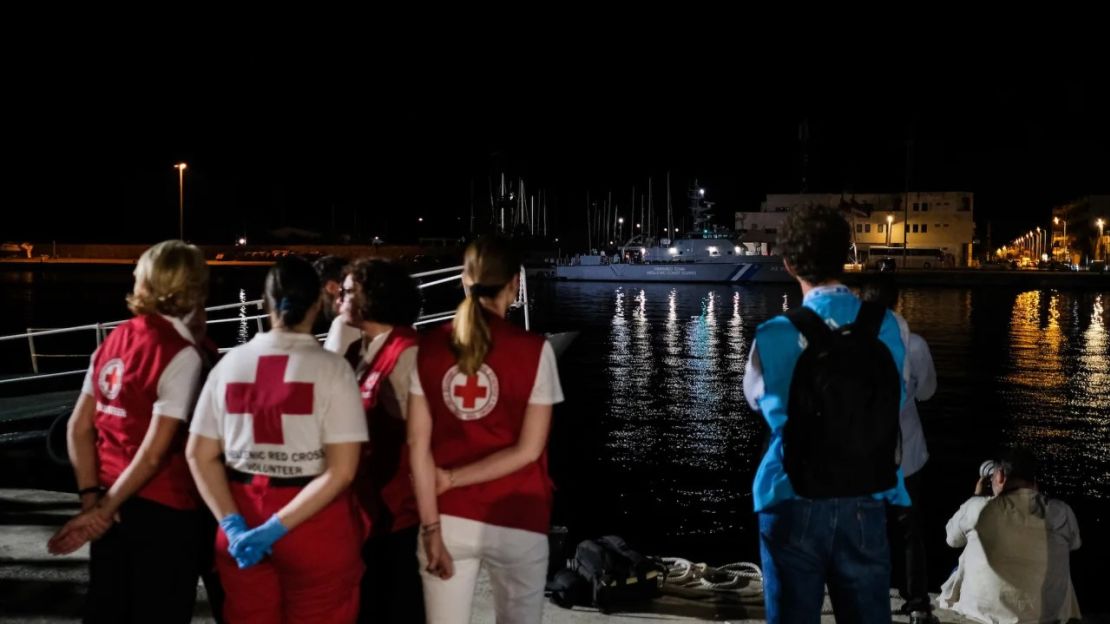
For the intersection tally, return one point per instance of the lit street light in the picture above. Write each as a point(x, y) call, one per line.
point(1101, 252)
point(180, 199)
point(889, 224)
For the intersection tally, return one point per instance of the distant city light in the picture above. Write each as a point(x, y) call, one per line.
point(242, 240)
point(701, 192)
point(673, 251)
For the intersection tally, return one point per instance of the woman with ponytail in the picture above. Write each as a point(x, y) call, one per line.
point(480, 403)
point(275, 444)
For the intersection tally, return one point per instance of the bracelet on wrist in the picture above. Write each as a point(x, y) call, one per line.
point(97, 489)
point(430, 528)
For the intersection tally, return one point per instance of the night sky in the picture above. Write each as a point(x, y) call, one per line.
point(362, 141)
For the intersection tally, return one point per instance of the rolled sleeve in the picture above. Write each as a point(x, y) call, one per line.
point(343, 417)
point(206, 416)
point(177, 385)
point(87, 386)
point(414, 377)
point(547, 390)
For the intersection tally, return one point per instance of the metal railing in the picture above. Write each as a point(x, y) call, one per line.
point(101, 330)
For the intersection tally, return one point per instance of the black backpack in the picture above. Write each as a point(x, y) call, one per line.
point(609, 575)
point(842, 436)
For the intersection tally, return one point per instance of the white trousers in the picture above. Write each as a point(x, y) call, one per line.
point(516, 561)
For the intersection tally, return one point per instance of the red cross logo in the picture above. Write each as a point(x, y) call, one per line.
point(470, 397)
point(269, 397)
point(111, 378)
point(470, 391)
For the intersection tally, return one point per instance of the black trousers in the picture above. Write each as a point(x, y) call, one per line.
point(391, 590)
point(145, 568)
point(907, 545)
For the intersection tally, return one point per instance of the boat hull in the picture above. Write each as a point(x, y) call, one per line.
point(757, 269)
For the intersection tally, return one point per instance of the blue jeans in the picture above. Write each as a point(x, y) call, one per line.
point(842, 542)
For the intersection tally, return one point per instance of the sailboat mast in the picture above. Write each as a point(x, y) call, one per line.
point(670, 223)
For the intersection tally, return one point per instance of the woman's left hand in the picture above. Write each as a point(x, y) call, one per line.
point(83, 528)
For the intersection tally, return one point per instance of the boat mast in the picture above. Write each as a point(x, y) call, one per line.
point(670, 222)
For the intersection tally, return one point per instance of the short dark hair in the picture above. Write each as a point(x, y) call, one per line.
point(330, 268)
point(814, 241)
point(883, 291)
point(292, 287)
point(388, 293)
point(1018, 463)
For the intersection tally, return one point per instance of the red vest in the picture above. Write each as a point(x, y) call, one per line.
point(485, 415)
point(125, 380)
point(384, 483)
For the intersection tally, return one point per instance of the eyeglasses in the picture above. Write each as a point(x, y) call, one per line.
point(345, 292)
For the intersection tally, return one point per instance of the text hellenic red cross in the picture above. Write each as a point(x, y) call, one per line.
point(470, 392)
point(269, 397)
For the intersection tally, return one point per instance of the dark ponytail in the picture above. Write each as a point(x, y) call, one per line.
point(292, 288)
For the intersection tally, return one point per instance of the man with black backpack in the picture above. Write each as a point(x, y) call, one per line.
point(827, 377)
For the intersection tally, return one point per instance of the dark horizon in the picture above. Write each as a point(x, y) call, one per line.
point(269, 145)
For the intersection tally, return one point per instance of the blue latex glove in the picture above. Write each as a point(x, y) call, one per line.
point(259, 541)
point(235, 527)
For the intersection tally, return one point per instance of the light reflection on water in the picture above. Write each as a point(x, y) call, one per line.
point(656, 415)
point(1059, 389)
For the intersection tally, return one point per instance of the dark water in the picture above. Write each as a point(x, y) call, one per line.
point(656, 442)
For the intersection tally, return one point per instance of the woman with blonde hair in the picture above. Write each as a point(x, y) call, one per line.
point(126, 440)
point(480, 408)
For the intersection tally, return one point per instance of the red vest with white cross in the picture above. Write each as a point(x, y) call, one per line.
point(126, 371)
point(477, 415)
point(384, 482)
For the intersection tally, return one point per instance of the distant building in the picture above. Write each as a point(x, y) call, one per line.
point(1079, 219)
point(943, 221)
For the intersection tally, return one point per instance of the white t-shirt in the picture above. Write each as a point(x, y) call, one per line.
point(276, 401)
point(545, 391)
point(340, 336)
point(177, 384)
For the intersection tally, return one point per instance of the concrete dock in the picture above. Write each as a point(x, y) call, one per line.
point(38, 587)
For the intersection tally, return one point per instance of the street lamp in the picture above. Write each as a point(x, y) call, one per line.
point(1040, 242)
point(889, 224)
point(1101, 253)
point(180, 199)
point(1067, 248)
point(620, 220)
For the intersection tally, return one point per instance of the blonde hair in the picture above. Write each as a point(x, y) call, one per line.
point(489, 265)
point(171, 278)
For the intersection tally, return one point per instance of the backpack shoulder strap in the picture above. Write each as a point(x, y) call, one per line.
point(870, 317)
point(809, 323)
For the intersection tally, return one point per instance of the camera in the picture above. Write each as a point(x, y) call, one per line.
point(986, 470)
